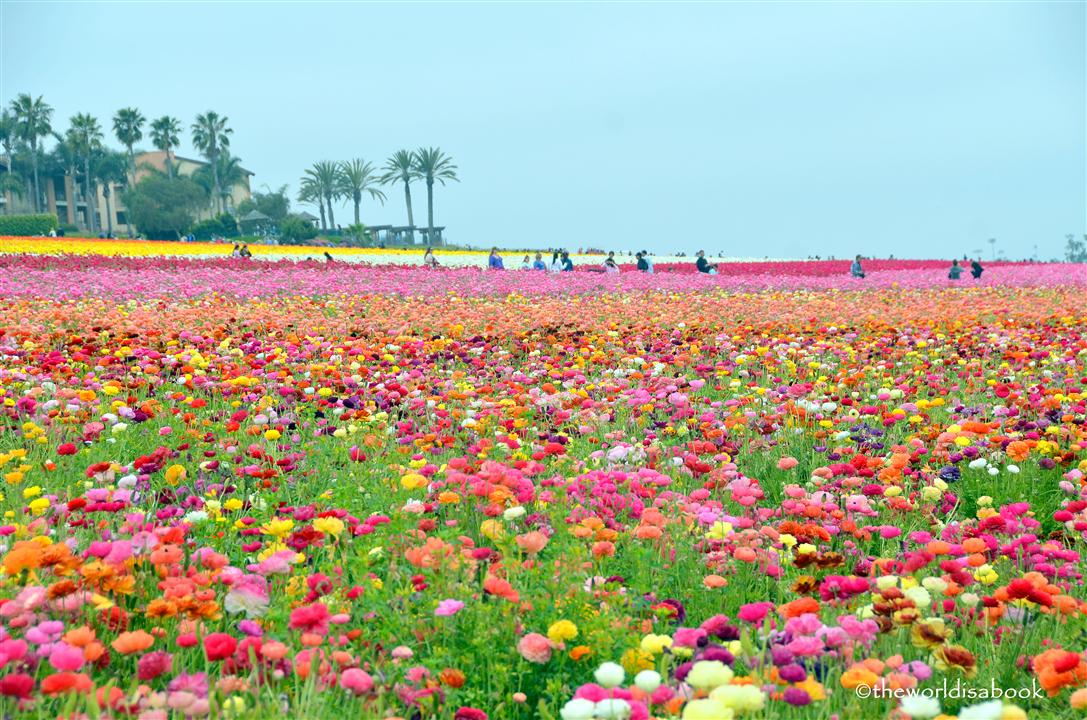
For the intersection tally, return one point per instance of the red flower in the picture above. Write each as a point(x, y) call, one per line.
point(67, 449)
point(66, 682)
point(18, 685)
point(219, 646)
point(310, 618)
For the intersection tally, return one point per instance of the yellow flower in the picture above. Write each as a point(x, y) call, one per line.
point(271, 435)
point(719, 531)
point(492, 529)
point(32, 491)
point(39, 505)
point(277, 528)
point(413, 481)
point(329, 525)
point(175, 474)
point(655, 644)
point(706, 709)
point(561, 630)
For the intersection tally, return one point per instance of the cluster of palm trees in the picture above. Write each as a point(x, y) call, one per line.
point(326, 182)
point(81, 153)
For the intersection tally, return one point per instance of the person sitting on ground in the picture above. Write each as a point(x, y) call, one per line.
point(539, 264)
point(328, 257)
point(494, 262)
point(643, 264)
point(429, 260)
point(236, 252)
point(648, 262)
point(704, 266)
point(976, 269)
point(246, 252)
point(556, 262)
point(956, 270)
point(855, 269)
point(610, 266)
point(526, 264)
point(567, 263)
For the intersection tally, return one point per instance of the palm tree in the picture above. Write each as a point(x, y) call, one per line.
point(211, 136)
point(165, 134)
point(128, 127)
point(325, 177)
point(400, 167)
point(85, 137)
point(33, 118)
point(9, 183)
point(432, 164)
point(66, 158)
point(110, 168)
point(229, 172)
point(355, 178)
point(308, 192)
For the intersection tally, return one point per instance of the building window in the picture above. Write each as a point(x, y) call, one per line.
point(121, 219)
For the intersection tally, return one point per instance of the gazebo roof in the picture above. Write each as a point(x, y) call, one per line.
point(254, 216)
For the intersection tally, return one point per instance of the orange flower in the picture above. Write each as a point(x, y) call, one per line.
point(798, 607)
point(66, 682)
point(580, 651)
point(1018, 450)
point(1057, 669)
point(857, 676)
point(132, 642)
point(24, 555)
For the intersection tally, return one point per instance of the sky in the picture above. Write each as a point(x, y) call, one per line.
point(917, 129)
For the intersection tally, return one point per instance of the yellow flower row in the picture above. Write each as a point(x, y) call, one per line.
point(153, 248)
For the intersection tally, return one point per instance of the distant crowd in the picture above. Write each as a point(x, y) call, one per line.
point(954, 273)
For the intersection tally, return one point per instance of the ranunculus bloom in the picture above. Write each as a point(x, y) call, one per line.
point(219, 646)
point(535, 648)
point(357, 681)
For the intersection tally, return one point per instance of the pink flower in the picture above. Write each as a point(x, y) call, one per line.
point(787, 463)
point(310, 618)
point(535, 648)
point(66, 658)
point(448, 607)
point(357, 681)
point(754, 613)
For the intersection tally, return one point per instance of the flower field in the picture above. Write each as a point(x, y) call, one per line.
point(310, 490)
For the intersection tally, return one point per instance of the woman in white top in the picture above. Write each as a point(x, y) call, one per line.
point(429, 260)
point(526, 264)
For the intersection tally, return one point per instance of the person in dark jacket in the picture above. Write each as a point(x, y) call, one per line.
point(704, 265)
point(643, 266)
point(567, 263)
point(976, 269)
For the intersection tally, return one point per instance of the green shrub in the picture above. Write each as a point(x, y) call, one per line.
point(295, 231)
point(27, 225)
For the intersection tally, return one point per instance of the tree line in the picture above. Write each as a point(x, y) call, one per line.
point(81, 153)
point(326, 182)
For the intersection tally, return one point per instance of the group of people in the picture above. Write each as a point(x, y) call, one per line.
point(241, 251)
point(857, 270)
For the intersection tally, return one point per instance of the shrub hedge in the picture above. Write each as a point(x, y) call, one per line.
point(27, 225)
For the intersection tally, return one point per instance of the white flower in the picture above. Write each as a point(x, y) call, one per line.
point(978, 463)
point(648, 680)
point(993, 471)
point(992, 710)
point(610, 674)
point(741, 698)
point(578, 709)
point(1013, 469)
point(514, 512)
point(920, 707)
point(612, 709)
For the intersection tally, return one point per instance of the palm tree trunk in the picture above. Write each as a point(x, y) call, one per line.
point(321, 207)
point(88, 203)
point(411, 222)
point(109, 213)
point(34, 165)
point(430, 211)
point(358, 200)
point(215, 176)
point(331, 217)
point(169, 163)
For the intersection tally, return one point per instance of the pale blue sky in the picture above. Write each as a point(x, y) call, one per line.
point(781, 129)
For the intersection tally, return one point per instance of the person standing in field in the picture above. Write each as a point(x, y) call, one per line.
point(955, 272)
point(539, 263)
point(855, 269)
point(526, 264)
point(494, 262)
point(976, 269)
